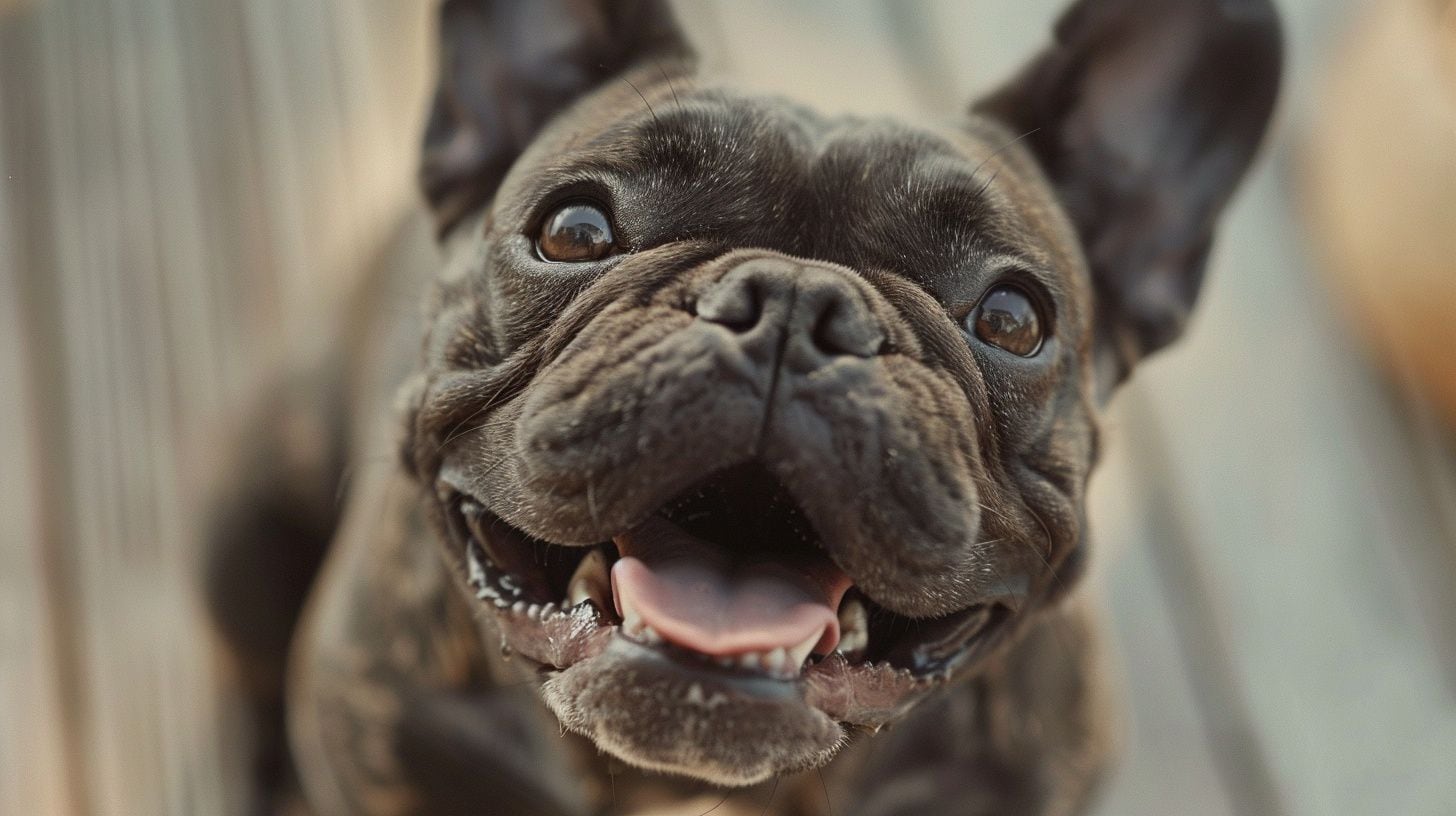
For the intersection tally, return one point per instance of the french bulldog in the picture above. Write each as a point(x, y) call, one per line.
point(750, 441)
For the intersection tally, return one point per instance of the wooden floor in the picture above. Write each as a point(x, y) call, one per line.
point(184, 186)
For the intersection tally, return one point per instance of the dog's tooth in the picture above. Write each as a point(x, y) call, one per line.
point(577, 593)
point(777, 662)
point(590, 581)
point(534, 611)
point(519, 607)
point(631, 623)
point(548, 610)
point(800, 653)
point(473, 566)
point(650, 635)
point(854, 633)
point(726, 661)
point(750, 660)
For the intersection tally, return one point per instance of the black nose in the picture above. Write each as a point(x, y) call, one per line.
point(817, 313)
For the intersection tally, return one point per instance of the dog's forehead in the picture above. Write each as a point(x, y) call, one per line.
point(920, 199)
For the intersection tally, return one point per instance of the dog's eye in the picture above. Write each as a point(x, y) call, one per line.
point(1008, 318)
point(574, 232)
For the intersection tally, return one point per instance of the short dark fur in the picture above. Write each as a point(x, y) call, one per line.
point(940, 472)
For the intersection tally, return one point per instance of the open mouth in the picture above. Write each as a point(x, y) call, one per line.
point(730, 580)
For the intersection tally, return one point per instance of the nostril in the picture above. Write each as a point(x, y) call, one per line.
point(734, 307)
point(827, 334)
point(843, 327)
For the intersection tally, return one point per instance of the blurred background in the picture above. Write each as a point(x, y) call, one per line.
point(185, 187)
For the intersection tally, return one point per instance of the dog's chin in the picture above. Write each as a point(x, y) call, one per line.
point(658, 713)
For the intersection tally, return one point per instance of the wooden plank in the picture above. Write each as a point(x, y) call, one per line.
point(35, 744)
point(181, 160)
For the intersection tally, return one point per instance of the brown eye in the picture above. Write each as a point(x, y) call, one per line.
point(575, 232)
point(1007, 318)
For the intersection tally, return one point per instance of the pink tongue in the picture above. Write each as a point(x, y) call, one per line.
point(693, 595)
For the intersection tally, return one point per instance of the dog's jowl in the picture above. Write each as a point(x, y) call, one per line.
point(757, 439)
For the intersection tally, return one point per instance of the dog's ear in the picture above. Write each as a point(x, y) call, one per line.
point(507, 66)
point(1144, 114)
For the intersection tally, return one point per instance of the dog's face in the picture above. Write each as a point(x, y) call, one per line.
point(750, 425)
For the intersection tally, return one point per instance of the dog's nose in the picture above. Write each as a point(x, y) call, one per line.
point(816, 313)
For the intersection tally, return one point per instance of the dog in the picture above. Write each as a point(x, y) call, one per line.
point(738, 432)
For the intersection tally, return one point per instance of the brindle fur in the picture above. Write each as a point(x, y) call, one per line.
point(529, 394)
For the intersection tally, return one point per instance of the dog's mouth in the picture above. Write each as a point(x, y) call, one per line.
point(728, 580)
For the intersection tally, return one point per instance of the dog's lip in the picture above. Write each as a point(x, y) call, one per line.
point(866, 693)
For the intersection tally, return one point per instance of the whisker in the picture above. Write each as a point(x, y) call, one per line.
point(493, 422)
point(824, 786)
point(993, 154)
point(980, 191)
point(493, 466)
point(486, 404)
point(1005, 587)
point(457, 433)
point(668, 79)
point(772, 791)
point(644, 100)
point(1046, 532)
point(715, 807)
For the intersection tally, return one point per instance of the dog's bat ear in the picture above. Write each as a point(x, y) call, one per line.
point(1145, 114)
point(507, 66)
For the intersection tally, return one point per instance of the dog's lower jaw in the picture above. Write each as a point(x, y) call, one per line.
point(634, 705)
point(358, 723)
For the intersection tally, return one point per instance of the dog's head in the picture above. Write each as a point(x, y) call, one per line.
point(750, 426)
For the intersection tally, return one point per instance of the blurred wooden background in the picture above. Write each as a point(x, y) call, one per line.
point(186, 186)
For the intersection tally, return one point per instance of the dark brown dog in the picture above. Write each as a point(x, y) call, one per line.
point(750, 431)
